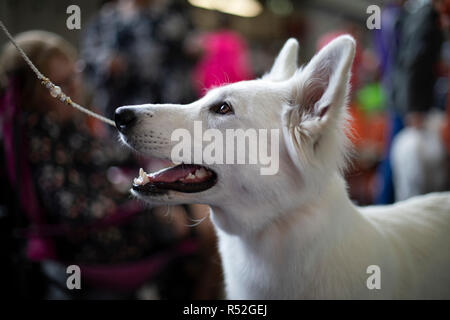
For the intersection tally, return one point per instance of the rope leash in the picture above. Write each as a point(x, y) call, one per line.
point(55, 91)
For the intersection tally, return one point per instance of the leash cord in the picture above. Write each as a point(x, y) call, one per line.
point(55, 91)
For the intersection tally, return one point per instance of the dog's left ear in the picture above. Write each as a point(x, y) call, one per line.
point(285, 64)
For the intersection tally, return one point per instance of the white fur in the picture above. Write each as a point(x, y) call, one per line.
point(296, 234)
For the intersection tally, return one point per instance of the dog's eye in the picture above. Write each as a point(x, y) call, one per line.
point(222, 108)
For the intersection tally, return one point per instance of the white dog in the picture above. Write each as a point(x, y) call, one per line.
point(295, 234)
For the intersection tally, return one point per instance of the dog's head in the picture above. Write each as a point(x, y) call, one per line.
point(291, 127)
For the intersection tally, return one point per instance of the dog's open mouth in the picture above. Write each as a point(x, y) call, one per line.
point(188, 178)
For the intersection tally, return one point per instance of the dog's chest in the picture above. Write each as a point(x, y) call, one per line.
point(260, 274)
point(288, 272)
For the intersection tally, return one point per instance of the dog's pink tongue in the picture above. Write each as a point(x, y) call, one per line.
point(171, 174)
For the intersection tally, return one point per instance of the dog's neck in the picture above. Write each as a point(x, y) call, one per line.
point(303, 239)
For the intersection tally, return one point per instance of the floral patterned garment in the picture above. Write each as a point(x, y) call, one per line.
point(151, 45)
point(73, 174)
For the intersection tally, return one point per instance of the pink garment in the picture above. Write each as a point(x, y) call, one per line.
point(225, 60)
point(130, 276)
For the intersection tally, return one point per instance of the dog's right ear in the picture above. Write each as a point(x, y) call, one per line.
point(316, 114)
point(319, 90)
point(285, 64)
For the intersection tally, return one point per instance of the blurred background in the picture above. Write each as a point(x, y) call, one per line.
point(65, 198)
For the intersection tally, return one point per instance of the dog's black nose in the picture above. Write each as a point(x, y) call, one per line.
point(125, 118)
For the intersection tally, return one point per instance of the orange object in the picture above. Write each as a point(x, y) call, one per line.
point(367, 129)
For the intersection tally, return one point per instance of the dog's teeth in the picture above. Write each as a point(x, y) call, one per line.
point(138, 181)
point(142, 179)
point(143, 176)
point(201, 173)
point(190, 176)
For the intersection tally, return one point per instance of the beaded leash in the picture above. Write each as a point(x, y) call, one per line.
point(55, 91)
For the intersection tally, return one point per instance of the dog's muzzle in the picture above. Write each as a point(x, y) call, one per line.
point(125, 118)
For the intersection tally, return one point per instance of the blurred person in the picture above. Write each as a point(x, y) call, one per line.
point(416, 39)
point(130, 47)
point(419, 160)
point(443, 8)
point(134, 52)
point(420, 163)
point(386, 45)
point(67, 193)
point(128, 50)
point(223, 58)
point(415, 63)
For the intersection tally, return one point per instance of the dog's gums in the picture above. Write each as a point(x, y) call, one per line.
point(187, 178)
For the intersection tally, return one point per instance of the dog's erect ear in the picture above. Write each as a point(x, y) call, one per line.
point(319, 91)
point(316, 112)
point(285, 64)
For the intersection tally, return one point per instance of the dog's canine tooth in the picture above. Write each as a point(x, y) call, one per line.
point(142, 178)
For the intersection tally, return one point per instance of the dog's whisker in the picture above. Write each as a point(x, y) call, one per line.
point(168, 211)
point(197, 221)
